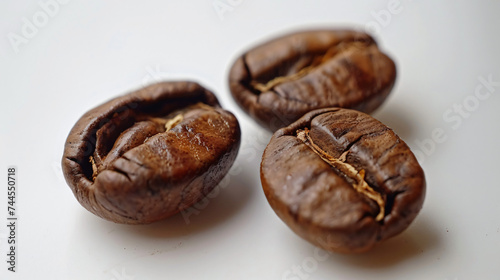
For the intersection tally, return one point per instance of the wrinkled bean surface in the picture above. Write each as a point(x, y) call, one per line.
point(147, 155)
point(342, 180)
point(279, 81)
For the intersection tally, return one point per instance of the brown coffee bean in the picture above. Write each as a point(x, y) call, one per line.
point(147, 155)
point(281, 80)
point(342, 180)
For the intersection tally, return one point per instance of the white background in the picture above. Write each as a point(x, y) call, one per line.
point(87, 52)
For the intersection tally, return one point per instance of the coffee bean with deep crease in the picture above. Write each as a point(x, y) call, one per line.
point(147, 155)
point(342, 180)
point(279, 81)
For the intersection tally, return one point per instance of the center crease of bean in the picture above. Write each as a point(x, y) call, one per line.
point(339, 164)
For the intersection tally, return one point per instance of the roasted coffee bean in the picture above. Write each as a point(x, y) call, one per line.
point(342, 180)
point(281, 80)
point(147, 155)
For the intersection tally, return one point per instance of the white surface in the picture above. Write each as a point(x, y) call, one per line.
point(91, 51)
